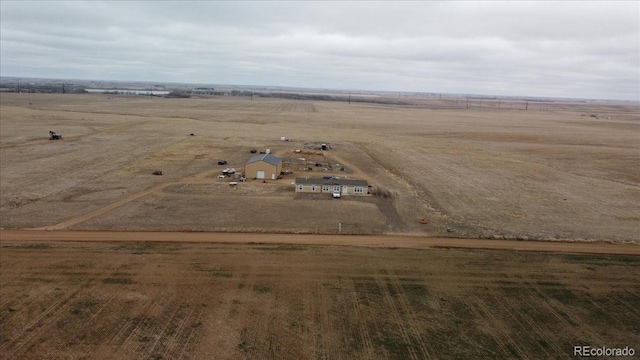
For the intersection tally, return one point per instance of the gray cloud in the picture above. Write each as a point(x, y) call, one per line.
point(563, 49)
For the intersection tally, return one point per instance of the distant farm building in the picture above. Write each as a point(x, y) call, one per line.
point(264, 166)
point(332, 185)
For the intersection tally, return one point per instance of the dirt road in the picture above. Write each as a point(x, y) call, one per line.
point(383, 241)
point(84, 217)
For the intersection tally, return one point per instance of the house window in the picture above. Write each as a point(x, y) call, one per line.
point(313, 188)
point(336, 188)
point(325, 188)
point(300, 187)
point(358, 189)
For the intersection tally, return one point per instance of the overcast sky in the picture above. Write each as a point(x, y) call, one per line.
point(557, 49)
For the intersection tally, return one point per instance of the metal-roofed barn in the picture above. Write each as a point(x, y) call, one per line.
point(264, 166)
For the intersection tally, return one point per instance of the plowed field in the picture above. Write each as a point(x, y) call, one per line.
point(178, 300)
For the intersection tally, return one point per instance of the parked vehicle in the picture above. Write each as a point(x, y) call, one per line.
point(54, 136)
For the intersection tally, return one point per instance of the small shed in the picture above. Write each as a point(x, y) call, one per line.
point(264, 166)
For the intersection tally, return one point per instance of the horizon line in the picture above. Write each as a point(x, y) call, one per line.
point(346, 90)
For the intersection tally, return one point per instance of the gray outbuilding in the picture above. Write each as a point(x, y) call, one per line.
point(264, 166)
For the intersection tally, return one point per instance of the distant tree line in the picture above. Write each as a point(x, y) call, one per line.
point(320, 97)
point(42, 88)
point(179, 94)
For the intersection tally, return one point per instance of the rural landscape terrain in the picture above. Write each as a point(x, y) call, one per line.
point(122, 240)
point(555, 171)
point(183, 299)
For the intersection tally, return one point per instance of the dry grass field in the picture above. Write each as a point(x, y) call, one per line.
point(178, 300)
point(551, 172)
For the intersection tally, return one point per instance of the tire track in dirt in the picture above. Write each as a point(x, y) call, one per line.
point(78, 219)
point(49, 313)
point(26, 143)
point(509, 305)
point(533, 325)
point(52, 312)
point(410, 317)
point(557, 309)
point(170, 313)
point(356, 170)
point(373, 330)
point(94, 315)
point(480, 311)
point(364, 332)
point(485, 309)
point(385, 206)
point(97, 162)
point(122, 339)
point(327, 342)
point(552, 307)
point(402, 325)
point(127, 347)
point(5, 300)
point(631, 309)
point(182, 343)
point(310, 316)
point(94, 130)
point(175, 342)
point(227, 328)
point(547, 304)
point(132, 197)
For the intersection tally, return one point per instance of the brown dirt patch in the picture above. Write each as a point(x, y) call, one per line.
point(139, 299)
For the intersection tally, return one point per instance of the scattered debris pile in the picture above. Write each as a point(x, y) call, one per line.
point(307, 152)
point(318, 146)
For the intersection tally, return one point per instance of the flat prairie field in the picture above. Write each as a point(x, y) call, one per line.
point(555, 171)
point(204, 270)
point(180, 300)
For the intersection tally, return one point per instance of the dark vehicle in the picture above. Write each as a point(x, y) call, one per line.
point(222, 162)
point(54, 136)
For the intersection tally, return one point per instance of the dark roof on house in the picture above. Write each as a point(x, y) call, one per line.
point(268, 158)
point(321, 181)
